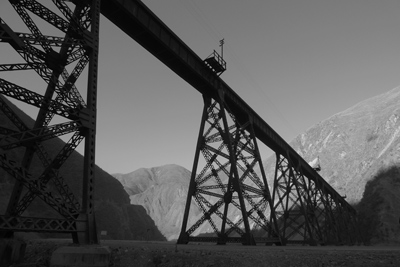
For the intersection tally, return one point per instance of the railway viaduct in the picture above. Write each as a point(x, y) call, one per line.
point(298, 206)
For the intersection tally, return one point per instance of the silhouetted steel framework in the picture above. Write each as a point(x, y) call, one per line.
point(50, 56)
point(237, 204)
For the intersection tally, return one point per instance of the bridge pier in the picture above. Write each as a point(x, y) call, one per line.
point(233, 199)
point(59, 61)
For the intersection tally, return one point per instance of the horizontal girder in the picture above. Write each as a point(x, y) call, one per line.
point(40, 134)
point(32, 224)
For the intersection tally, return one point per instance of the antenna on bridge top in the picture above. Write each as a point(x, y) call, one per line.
point(215, 61)
point(221, 44)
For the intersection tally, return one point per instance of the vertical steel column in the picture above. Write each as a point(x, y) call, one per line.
point(184, 236)
point(316, 211)
point(87, 210)
point(331, 223)
point(231, 143)
point(291, 203)
point(304, 192)
point(280, 197)
point(272, 230)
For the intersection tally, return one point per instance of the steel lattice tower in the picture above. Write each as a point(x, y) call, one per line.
point(59, 60)
point(306, 210)
point(228, 181)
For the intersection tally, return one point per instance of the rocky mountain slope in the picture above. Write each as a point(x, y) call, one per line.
point(162, 192)
point(359, 154)
point(114, 213)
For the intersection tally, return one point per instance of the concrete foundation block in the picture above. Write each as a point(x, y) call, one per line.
point(11, 251)
point(81, 256)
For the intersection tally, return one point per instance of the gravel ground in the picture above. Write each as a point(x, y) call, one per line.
point(137, 253)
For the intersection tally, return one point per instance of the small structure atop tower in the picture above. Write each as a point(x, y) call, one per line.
point(215, 61)
point(315, 164)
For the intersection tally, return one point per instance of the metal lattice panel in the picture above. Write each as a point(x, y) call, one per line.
point(59, 53)
point(31, 224)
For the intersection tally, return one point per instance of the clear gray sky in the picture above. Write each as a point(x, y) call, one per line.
point(295, 62)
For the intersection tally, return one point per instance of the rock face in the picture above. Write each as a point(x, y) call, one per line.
point(114, 213)
point(162, 192)
point(358, 150)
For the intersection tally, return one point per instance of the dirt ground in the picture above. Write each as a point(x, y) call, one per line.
point(142, 253)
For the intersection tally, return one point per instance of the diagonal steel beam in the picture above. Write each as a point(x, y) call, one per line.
point(40, 134)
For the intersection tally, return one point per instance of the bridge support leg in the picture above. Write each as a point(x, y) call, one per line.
point(292, 203)
point(52, 58)
point(306, 212)
point(227, 199)
point(87, 207)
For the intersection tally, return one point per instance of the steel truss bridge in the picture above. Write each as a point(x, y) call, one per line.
point(236, 202)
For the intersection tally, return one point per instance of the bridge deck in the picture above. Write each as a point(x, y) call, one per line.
point(142, 25)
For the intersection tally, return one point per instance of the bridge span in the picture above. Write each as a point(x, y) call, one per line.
point(230, 196)
point(142, 25)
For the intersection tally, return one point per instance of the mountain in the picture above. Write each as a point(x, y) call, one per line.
point(359, 155)
point(162, 192)
point(114, 213)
